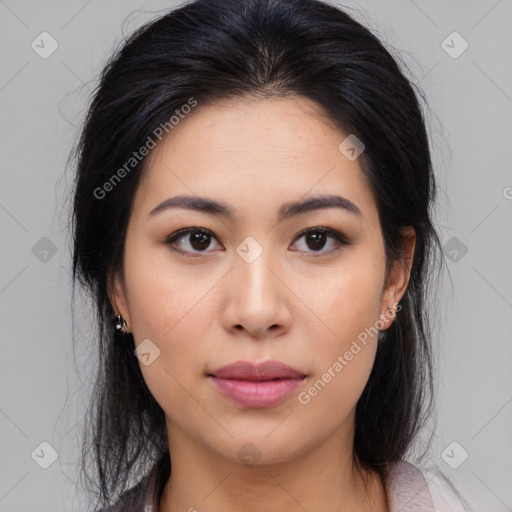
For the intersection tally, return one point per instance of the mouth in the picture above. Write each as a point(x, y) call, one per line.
point(254, 385)
point(247, 370)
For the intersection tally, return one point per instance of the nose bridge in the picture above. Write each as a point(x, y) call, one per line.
point(257, 295)
point(252, 268)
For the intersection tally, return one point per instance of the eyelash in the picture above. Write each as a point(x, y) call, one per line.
point(340, 239)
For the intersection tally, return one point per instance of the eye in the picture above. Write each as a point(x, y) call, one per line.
point(190, 240)
point(316, 239)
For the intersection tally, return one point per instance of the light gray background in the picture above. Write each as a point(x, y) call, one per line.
point(44, 383)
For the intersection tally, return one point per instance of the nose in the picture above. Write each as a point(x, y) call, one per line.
point(257, 298)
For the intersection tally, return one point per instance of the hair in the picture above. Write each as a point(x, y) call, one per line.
point(212, 50)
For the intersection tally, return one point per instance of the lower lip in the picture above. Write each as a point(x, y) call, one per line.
point(263, 393)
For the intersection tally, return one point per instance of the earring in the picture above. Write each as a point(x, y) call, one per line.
point(120, 324)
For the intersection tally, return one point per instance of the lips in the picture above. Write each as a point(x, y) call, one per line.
point(268, 370)
point(255, 385)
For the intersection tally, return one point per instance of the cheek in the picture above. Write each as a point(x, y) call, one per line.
point(349, 306)
point(173, 310)
point(163, 299)
point(349, 299)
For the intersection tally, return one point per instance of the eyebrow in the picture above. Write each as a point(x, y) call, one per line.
point(287, 210)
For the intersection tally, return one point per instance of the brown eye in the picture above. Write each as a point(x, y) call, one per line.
point(194, 241)
point(199, 241)
point(191, 240)
point(317, 238)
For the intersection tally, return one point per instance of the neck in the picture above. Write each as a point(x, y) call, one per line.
point(320, 478)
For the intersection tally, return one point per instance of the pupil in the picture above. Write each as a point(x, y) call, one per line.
point(200, 240)
point(317, 239)
point(314, 241)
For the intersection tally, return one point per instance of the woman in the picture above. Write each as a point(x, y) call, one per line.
point(252, 207)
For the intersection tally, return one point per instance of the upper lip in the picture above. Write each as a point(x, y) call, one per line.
point(247, 370)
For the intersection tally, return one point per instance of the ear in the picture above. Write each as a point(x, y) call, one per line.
point(117, 297)
point(398, 278)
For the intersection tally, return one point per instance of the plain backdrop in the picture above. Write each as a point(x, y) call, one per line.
point(459, 54)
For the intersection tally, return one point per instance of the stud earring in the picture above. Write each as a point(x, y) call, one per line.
point(120, 325)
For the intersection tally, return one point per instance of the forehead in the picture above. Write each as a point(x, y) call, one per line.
point(252, 154)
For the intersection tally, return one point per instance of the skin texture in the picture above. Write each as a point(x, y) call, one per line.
point(214, 308)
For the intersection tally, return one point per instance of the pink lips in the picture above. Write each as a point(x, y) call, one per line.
point(256, 385)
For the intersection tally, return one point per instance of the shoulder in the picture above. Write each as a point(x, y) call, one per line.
point(444, 495)
point(410, 488)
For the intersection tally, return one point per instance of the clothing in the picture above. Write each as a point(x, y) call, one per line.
point(409, 489)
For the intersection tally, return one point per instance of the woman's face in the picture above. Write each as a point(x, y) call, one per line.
point(255, 286)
